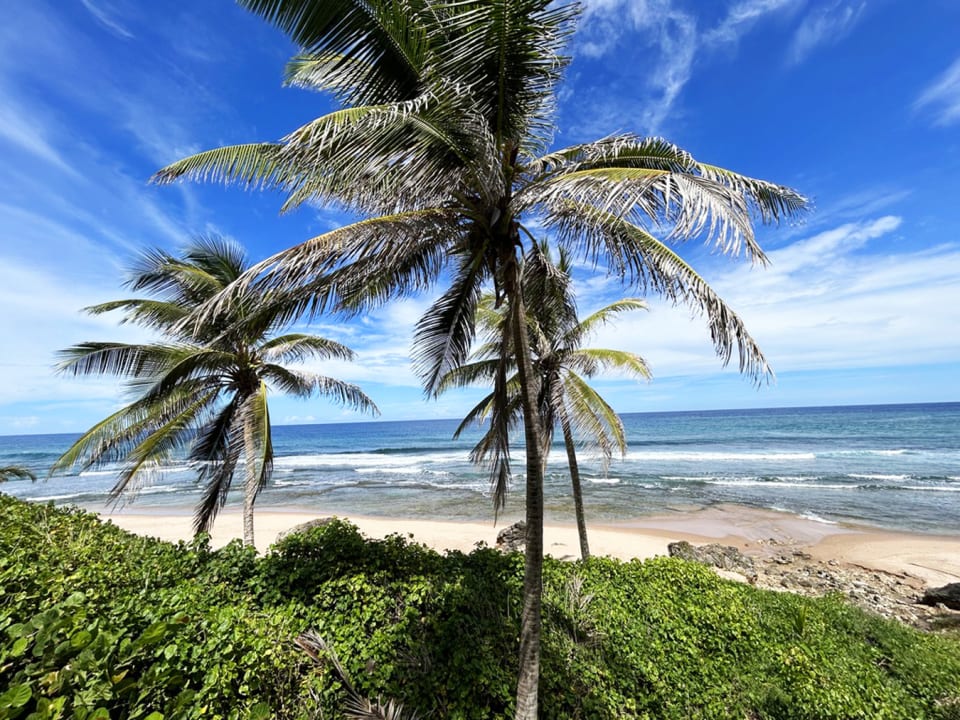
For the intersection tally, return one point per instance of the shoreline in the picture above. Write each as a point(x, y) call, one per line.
point(933, 559)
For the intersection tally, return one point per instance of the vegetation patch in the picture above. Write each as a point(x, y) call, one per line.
point(98, 623)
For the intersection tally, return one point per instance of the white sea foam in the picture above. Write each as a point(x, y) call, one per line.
point(376, 461)
point(931, 489)
point(817, 518)
point(748, 482)
point(682, 456)
point(877, 476)
point(604, 481)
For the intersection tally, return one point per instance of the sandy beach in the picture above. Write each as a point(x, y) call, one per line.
point(934, 559)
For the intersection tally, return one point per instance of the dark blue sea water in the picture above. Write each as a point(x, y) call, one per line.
point(895, 467)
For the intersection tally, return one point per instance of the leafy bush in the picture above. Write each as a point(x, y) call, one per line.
point(97, 623)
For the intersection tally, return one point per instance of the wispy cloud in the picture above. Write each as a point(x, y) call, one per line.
point(743, 16)
point(824, 25)
point(942, 96)
point(666, 39)
point(105, 16)
point(21, 127)
point(827, 302)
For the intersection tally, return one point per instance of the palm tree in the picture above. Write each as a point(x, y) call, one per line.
point(204, 386)
point(440, 143)
point(560, 363)
point(9, 472)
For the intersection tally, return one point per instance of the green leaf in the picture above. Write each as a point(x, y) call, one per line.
point(20, 646)
point(260, 711)
point(16, 697)
point(80, 639)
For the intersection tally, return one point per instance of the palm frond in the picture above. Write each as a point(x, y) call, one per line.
point(592, 417)
point(10, 472)
point(591, 360)
point(648, 263)
point(381, 44)
point(296, 347)
point(255, 166)
point(345, 394)
point(467, 374)
point(122, 359)
point(216, 451)
point(443, 335)
point(289, 381)
point(158, 446)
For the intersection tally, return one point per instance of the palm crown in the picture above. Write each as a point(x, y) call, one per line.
point(203, 388)
point(560, 362)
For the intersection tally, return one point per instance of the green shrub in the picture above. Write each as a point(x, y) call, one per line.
point(97, 623)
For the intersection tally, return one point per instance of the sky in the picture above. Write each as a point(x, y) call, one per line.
point(854, 103)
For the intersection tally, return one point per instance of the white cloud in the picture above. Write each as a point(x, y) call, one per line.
point(743, 16)
point(103, 14)
point(665, 28)
point(827, 302)
point(23, 128)
point(825, 25)
point(942, 96)
point(664, 39)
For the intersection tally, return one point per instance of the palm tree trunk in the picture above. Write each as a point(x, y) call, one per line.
point(575, 480)
point(530, 620)
point(250, 480)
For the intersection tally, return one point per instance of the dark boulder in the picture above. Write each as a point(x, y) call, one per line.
point(725, 557)
point(948, 595)
point(512, 537)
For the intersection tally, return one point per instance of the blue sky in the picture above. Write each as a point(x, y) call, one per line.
point(855, 103)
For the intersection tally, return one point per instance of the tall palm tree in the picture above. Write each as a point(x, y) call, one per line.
point(561, 363)
point(441, 142)
point(204, 386)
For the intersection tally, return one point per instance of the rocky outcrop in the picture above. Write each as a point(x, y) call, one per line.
point(948, 596)
point(512, 537)
point(304, 527)
point(724, 557)
point(778, 565)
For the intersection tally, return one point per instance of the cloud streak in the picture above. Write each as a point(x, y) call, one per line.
point(825, 25)
point(942, 97)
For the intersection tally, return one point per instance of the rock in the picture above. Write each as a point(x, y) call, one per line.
point(513, 537)
point(948, 595)
point(304, 527)
point(725, 557)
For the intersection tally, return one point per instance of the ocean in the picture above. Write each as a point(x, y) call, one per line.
point(892, 467)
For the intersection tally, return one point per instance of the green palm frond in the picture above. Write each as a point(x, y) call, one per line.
point(593, 417)
point(443, 335)
point(159, 447)
point(467, 374)
point(256, 166)
point(508, 52)
point(649, 264)
point(345, 394)
point(157, 314)
point(288, 381)
point(255, 413)
point(590, 361)
point(216, 452)
point(11, 472)
point(103, 358)
point(381, 43)
point(297, 347)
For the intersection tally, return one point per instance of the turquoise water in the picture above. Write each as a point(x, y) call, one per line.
point(895, 467)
